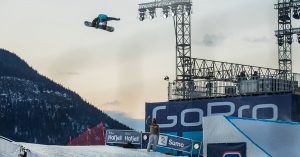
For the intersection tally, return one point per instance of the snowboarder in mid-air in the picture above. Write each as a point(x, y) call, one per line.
point(101, 22)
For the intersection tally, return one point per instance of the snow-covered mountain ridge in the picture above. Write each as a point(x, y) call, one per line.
point(35, 109)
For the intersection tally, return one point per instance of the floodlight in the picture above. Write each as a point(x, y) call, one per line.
point(289, 39)
point(145, 137)
point(298, 37)
point(280, 40)
point(166, 12)
point(196, 146)
point(142, 14)
point(166, 78)
point(151, 14)
point(187, 10)
point(296, 13)
point(142, 18)
point(174, 11)
point(284, 14)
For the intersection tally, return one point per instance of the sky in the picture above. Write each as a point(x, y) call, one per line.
point(118, 72)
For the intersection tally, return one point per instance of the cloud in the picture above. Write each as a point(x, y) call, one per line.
point(211, 40)
point(72, 61)
point(137, 124)
point(111, 103)
point(69, 73)
point(257, 39)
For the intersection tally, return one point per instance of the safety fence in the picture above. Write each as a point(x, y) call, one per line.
point(135, 139)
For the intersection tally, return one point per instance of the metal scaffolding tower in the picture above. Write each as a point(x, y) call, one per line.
point(198, 78)
point(181, 11)
point(284, 35)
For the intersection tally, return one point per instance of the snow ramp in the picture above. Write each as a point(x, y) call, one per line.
point(8, 148)
point(263, 138)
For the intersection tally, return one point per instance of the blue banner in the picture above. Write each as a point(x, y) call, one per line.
point(174, 142)
point(123, 137)
point(186, 116)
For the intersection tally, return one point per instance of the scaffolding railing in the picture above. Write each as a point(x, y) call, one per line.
point(215, 88)
point(219, 79)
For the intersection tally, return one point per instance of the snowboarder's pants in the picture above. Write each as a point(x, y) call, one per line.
point(153, 139)
point(112, 18)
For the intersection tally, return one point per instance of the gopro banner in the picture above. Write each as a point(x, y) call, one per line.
point(186, 116)
point(174, 142)
point(226, 150)
point(123, 136)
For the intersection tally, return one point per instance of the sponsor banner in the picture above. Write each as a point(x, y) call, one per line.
point(182, 116)
point(123, 136)
point(93, 136)
point(175, 142)
point(226, 150)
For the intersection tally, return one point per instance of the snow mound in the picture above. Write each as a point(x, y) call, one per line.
point(37, 150)
point(7, 148)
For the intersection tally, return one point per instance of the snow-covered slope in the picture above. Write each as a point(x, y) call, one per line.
point(86, 151)
point(8, 148)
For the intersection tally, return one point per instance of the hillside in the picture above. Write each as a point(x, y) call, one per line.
point(35, 109)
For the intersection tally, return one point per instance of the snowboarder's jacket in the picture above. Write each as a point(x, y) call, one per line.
point(154, 128)
point(102, 17)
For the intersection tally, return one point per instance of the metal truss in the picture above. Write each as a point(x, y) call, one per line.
point(230, 72)
point(181, 10)
point(284, 32)
point(164, 3)
point(285, 36)
point(287, 3)
point(182, 26)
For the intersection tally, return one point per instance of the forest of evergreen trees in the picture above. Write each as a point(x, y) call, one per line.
point(35, 109)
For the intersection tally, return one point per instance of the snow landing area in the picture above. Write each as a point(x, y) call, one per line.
point(37, 150)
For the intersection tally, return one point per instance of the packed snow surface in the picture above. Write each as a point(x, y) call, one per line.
point(86, 151)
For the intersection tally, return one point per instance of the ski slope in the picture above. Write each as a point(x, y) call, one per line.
point(86, 151)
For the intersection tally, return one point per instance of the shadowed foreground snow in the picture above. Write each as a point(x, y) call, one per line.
point(86, 151)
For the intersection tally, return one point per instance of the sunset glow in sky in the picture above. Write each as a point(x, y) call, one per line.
point(118, 72)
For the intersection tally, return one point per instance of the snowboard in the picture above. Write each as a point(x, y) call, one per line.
point(108, 28)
